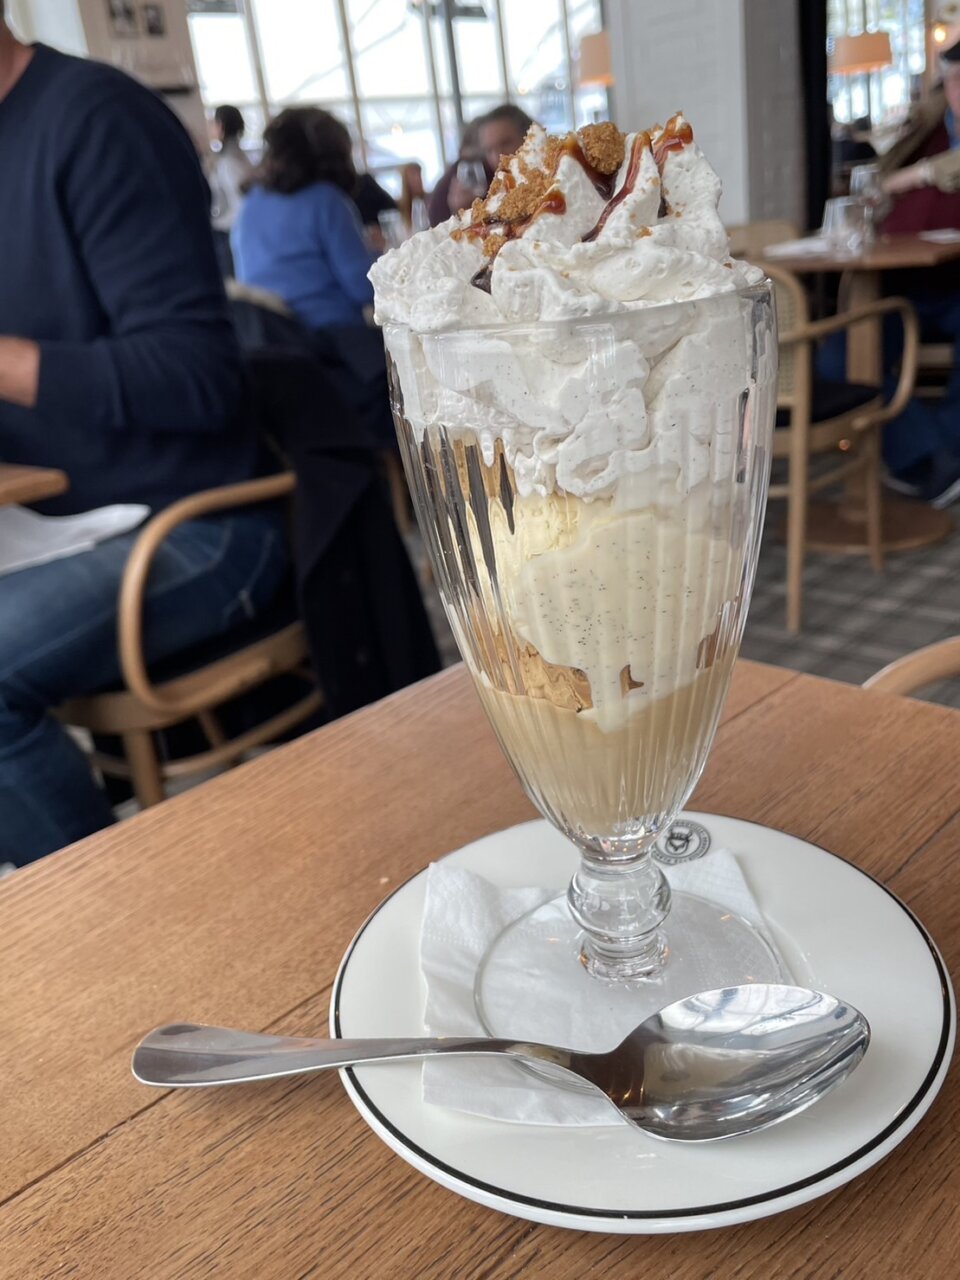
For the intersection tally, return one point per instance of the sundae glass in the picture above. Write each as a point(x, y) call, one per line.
point(583, 384)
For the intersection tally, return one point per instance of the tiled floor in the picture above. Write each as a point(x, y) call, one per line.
point(855, 621)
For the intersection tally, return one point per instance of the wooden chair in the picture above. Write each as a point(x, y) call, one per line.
point(752, 238)
point(916, 670)
point(838, 419)
point(237, 291)
point(934, 367)
point(141, 708)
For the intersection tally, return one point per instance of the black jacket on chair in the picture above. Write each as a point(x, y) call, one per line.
point(367, 627)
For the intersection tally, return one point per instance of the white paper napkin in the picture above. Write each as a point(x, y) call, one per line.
point(811, 245)
point(463, 914)
point(28, 538)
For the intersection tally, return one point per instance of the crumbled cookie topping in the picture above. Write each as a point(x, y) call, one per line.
point(603, 145)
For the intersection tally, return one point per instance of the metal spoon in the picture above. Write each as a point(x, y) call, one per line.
point(713, 1065)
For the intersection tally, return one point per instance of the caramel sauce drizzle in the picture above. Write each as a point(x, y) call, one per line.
point(675, 135)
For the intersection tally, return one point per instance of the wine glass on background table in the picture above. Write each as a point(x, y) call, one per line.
point(846, 224)
point(473, 178)
point(865, 185)
point(601, 632)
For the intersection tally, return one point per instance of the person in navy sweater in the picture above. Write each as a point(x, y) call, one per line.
point(118, 364)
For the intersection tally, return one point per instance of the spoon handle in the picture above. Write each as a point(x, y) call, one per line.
point(185, 1055)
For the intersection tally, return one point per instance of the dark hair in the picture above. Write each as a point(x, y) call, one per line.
point(304, 145)
point(508, 111)
point(230, 121)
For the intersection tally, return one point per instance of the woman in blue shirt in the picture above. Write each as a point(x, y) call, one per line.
point(298, 233)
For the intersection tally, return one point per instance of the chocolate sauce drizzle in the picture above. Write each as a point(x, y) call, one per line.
point(640, 142)
point(603, 182)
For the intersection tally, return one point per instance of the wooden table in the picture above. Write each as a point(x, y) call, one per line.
point(234, 902)
point(906, 525)
point(29, 484)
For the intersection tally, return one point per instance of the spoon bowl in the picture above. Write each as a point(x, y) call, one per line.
point(713, 1065)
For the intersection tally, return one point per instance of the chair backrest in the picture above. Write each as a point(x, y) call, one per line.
point(749, 240)
point(793, 314)
point(916, 670)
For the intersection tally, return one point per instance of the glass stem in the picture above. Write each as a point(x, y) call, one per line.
point(620, 906)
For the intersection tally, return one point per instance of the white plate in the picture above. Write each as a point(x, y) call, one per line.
point(838, 930)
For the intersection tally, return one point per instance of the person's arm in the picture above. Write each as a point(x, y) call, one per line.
point(942, 171)
point(19, 371)
point(341, 234)
point(907, 179)
point(139, 207)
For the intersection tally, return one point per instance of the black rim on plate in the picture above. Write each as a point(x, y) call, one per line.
point(726, 1206)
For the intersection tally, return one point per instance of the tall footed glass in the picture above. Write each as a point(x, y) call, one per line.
point(591, 494)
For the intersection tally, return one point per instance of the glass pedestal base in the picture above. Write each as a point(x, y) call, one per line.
point(532, 984)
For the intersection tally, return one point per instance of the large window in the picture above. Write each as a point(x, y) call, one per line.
point(385, 66)
point(882, 95)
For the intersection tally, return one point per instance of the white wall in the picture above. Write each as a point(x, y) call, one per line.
point(53, 22)
point(732, 67)
point(775, 135)
point(83, 27)
point(158, 61)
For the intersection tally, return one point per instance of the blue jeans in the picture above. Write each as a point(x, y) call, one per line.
point(925, 428)
point(58, 639)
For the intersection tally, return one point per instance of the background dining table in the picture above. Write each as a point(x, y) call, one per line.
point(233, 903)
point(842, 526)
point(20, 484)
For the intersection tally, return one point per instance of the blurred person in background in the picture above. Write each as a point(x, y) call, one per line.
point(372, 200)
point(500, 132)
point(926, 156)
point(921, 172)
point(229, 170)
point(449, 195)
point(299, 236)
point(118, 364)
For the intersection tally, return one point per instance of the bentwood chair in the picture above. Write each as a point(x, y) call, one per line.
point(144, 706)
point(838, 422)
point(917, 670)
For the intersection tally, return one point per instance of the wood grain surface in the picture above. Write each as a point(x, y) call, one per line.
point(234, 903)
point(30, 484)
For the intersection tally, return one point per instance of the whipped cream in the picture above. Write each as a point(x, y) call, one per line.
point(598, 226)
